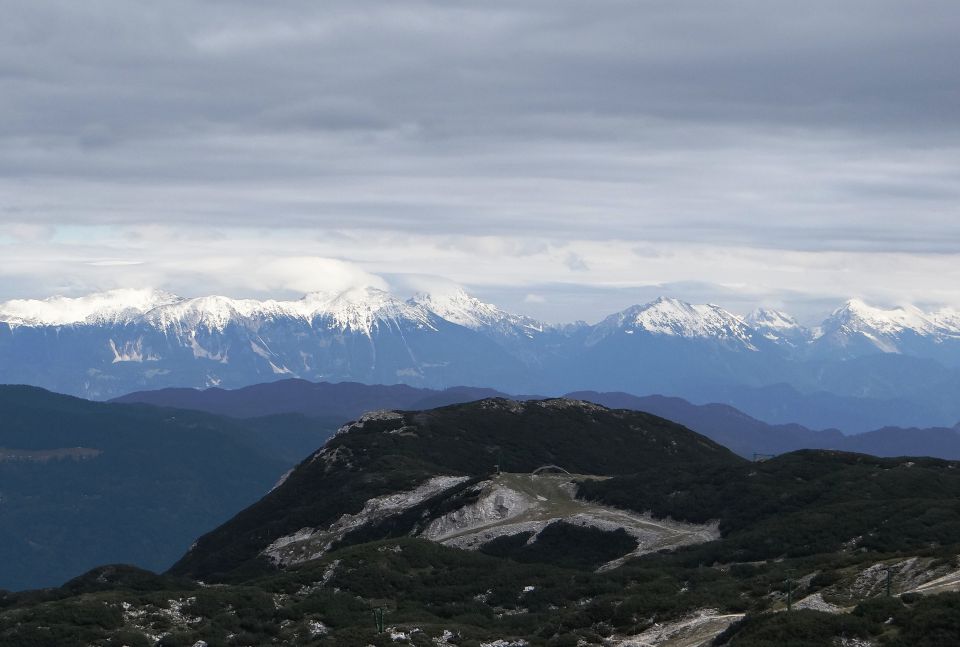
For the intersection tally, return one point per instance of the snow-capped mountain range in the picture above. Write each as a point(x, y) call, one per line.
point(107, 344)
point(357, 310)
point(363, 310)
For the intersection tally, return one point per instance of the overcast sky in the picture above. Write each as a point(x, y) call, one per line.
point(563, 159)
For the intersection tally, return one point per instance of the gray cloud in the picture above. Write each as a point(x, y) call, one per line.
point(530, 130)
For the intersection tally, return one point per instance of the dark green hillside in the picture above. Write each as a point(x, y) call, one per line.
point(564, 544)
point(427, 589)
point(806, 502)
point(923, 622)
point(815, 525)
point(84, 483)
point(395, 452)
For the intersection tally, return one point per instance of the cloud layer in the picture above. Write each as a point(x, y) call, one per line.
point(547, 153)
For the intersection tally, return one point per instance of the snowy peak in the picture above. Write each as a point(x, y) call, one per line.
point(462, 309)
point(777, 326)
point(365, 309)
point(856, 315)
point(212, 313)
point(947, 319)
point(111, 307)
point(673, 317)
point(886, 329)
point(772, 319)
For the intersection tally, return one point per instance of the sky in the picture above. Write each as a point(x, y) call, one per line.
point(561, 159)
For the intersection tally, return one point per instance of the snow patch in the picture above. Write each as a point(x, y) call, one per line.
point(199, 352)
point(130, 352)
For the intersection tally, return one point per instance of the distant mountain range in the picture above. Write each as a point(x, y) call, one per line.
point(342, 401)
point(747, 436)
point(862, 368)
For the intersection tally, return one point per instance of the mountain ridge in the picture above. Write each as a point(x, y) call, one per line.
point(722, 423)
point(866, 359)
point(663, 315)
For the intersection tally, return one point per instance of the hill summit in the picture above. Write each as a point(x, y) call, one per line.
point(427, 464)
